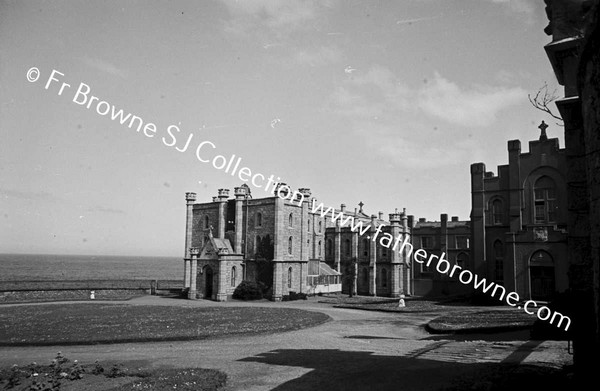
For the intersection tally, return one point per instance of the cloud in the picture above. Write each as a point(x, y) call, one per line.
point(524, 7)
point(321, 56)
point(424, 127)
point(103, 66)
point(400, 147)
point(28, 195)
point(468, 107)
point(104, 209)
point(276, 24)
point(278, 15)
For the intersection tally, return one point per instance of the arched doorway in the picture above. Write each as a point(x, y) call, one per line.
point(541, 272)
point(208, 282)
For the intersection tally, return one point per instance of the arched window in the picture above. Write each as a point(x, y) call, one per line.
point(497, 212)
point(291, 220)
point(329, 249)
point(365, 247)
point(384, 278)
point(257, 245)
point(308, 225)
point(259, 219)
point(541, 258)
point(320, 226)
point(290, 242)
point(347, 246)
point(206, 222)
point(320, 248)
point(233, 276)
point(290, 277)
point(544, 198)
point(499, 260)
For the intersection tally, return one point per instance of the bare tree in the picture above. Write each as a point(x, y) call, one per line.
point(542, 100)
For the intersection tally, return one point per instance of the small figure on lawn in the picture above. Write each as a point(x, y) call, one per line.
point(401, 303)
point(92, 295)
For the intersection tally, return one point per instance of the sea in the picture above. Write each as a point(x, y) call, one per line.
point(54, 267)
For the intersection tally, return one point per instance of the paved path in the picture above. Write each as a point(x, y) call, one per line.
point(356, 350)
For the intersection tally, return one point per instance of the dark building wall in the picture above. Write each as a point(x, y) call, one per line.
point(437, 237)
point(511, 221)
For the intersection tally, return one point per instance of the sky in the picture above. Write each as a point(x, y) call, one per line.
point(384, 102)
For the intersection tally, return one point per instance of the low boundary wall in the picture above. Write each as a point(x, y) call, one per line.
point(18, 291)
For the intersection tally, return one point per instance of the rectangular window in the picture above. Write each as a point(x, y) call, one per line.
point(426, 242)
point(551, 211)
point(540, 212)
point(462, 242)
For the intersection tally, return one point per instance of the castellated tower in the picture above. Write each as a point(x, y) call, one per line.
point(280, 243)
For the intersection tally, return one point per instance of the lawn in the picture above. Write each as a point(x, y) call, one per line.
point(66, 375)
point(93, 323)
point(386, 304)
point(489, 321)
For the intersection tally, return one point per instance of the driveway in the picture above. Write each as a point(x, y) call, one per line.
point(355, 350)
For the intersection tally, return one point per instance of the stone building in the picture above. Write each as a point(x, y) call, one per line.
point(367, 266)
point(282, 243)
point(519, 219)
point(436, 237)
point(575, 57)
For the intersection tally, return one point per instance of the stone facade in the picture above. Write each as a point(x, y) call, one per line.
point(451, 237)
point(574, 55)
point(271, 240)
point(519, 219)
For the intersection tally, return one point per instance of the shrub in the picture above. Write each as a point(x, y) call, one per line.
point(248, 290)
point(294, 296)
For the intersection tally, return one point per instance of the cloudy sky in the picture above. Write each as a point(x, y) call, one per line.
point(384, 102)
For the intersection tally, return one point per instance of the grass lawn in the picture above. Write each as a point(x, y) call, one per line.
point(75, 324)
point(481, 321)
point(66, 375)
point(386, 304)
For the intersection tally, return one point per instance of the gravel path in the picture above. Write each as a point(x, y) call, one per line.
point(356, 350)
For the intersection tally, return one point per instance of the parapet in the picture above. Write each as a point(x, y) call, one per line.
point(190, 197)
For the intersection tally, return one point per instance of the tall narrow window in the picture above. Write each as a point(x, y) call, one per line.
point(499, 260)
point(365, 247)
point(329, 248)
point(259, 219)
point(290, 277)
point(308, 225)
point(206, 222)
point(544, 195)
point(320, 248)
point(462, 260)
point(290, 241)
point(291, 220)
point(384, 278)
point(497, 212)
point(462, 242)
point(427, 242)
point(257, 246)
point(347, 246)
point(233, 276)
point(320, 226)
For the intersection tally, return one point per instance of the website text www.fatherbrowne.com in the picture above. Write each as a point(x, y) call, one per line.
point(84, 98)
point(443, 266)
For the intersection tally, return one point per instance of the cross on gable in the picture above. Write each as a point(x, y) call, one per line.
point(361, 205)
point(543, 126)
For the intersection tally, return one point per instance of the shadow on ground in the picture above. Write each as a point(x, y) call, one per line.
point(518, 335)
point(360, 370)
